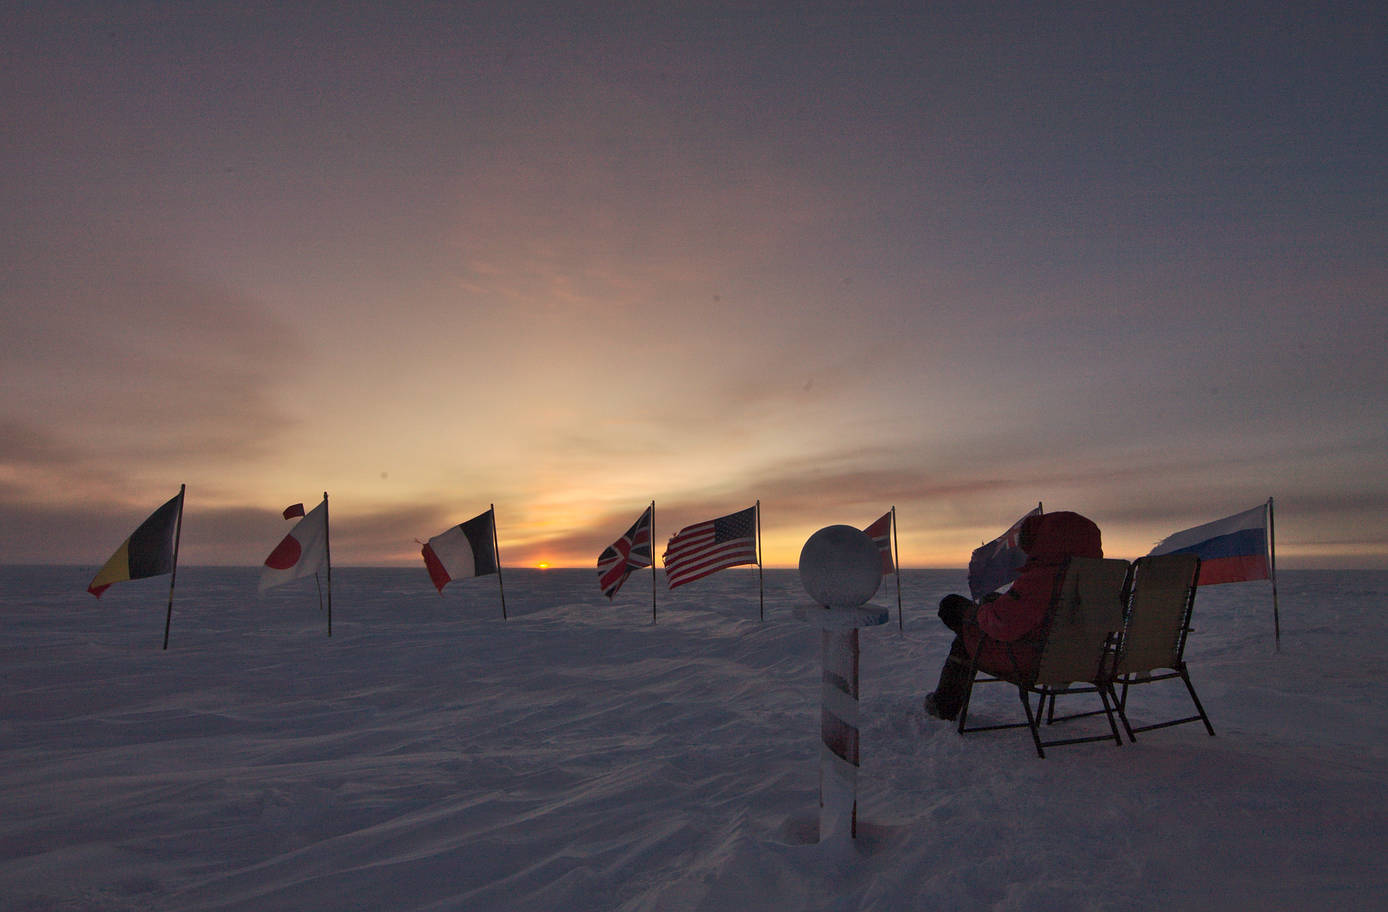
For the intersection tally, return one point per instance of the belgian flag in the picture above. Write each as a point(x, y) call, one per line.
point(149, 551)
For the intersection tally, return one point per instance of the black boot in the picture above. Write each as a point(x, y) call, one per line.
point(932, 708)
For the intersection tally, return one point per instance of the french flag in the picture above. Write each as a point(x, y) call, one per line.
point(466, 550)
point(1231, 550)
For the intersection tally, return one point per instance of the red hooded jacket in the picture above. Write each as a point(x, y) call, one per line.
point(1005, 633)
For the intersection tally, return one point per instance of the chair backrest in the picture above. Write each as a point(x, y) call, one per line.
point(1159, 607)
point(1086, 611)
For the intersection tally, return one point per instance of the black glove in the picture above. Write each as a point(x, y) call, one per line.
point(953, 609)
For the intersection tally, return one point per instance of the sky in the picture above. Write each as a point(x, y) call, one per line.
point(569, 259)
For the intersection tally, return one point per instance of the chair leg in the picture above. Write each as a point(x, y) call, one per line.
point(1033, 720)
point(968, 695)
point(1120, 705)
point(1196, 700)
point(1108, 713)
point(964, 708)
point(1177, 672)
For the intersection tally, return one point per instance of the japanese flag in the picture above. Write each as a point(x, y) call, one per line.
point(301, 553)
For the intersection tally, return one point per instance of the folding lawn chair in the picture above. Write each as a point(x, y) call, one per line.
point(1154, 632)
point(1082, 623)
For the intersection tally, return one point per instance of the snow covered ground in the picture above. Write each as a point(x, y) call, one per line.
point(431, 756)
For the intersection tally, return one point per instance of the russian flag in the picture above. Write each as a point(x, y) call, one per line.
point(1231, 550)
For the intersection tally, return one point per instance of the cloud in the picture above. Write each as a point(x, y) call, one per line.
point(38, 466)
point(570, 275)
point(128, 379)
point(387, 534)
point(135, 365)
point(24, 444)
point(75, 533)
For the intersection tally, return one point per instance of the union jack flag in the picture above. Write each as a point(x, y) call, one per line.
point(630, 552)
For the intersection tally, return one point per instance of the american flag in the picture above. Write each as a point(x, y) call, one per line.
point(630, 552)
point(881, 534)
point(707, 547)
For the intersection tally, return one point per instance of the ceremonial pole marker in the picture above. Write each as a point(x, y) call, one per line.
point(840, 568)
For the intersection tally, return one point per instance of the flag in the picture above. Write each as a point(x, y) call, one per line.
point(293, 510)
point(630, 552)
point(300, 553)
point(881, 534)
point(1231, 550)
point(467, 549)
point(149, 551)
point(707, 547)
point(995, 564)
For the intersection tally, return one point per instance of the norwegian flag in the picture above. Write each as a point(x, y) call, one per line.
point(630, 552)
point(881, 534)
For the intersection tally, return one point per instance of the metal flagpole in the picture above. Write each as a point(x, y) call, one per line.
point(896, 562)
point(761, 586)
point(328, 555)
point(496, 553)
point(652, 541)
point(173, 575)
point(1272, 569)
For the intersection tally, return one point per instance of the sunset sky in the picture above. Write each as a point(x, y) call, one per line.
point(1124, 259)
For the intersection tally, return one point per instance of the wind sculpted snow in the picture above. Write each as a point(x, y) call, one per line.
point(431, 756)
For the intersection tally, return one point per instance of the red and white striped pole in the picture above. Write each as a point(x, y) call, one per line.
point(841, 569)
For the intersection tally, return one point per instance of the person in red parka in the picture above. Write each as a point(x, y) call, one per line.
point(1004, 631)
